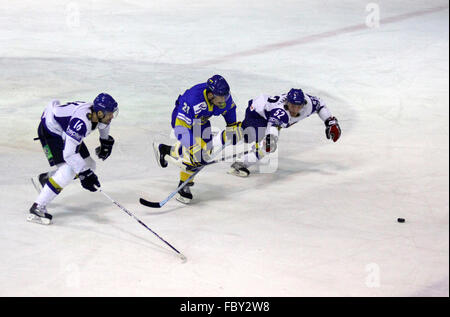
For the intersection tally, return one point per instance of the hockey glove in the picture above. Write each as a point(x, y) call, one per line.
point(270, 143)
point(332, 131)
point(89, 180)
point(105, 148)
point(233, 133)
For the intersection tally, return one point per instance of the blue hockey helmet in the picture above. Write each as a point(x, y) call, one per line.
point(106, 103)
point(218, 86)
point(296, 97)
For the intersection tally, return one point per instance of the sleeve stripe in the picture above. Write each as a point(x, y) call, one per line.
point(184, 118)
point(179, 122)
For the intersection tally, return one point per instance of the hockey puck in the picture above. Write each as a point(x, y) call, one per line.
point(401, 220)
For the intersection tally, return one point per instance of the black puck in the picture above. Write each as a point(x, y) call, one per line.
point(401, 219)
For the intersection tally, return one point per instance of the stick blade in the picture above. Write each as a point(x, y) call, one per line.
point(183, 258)
point(149, 203)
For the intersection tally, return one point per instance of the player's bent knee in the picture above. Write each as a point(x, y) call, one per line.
point(64, 175)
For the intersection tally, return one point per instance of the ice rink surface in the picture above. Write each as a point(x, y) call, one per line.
point(323, 224)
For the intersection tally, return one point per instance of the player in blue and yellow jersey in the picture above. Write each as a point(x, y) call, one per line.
point(190, 121)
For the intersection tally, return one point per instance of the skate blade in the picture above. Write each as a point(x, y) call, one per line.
point(183, 200)
point(39, 220)
point(234, 172)
point(36, 185)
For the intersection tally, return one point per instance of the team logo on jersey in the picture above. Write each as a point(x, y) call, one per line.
point(200, 107)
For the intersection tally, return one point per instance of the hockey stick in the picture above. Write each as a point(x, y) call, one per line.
point(182, 257)
point(35, 186)
point(215, 161)
point(163, 202)
point(228, 157)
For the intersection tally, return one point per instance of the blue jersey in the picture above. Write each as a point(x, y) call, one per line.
point(193, 107)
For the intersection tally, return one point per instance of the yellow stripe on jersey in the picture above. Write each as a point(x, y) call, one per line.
point(179, 122)
point(210, 107)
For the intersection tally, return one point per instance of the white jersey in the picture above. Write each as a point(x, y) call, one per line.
point(70, 121)
point(272, 109)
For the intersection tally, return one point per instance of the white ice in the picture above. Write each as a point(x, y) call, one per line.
point(324, 224)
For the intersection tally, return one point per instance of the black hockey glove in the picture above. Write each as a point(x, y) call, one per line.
point(332, 130)
point(89, 180)
point(270, 144)
point(105, 148)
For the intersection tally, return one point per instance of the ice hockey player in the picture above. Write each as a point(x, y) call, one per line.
point(266, 115)
point(190, 121)
point(61, 132)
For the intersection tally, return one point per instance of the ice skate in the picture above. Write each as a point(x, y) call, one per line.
point(184, 195)
point(43, 178)
point(39, 183)
point(239, 169)
point(38, 214)
point(161, 150)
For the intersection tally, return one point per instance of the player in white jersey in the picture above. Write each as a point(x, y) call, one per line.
point(266, 115)
point(61, 132)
